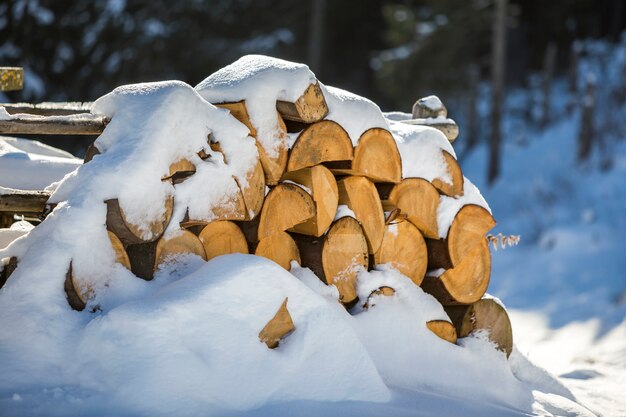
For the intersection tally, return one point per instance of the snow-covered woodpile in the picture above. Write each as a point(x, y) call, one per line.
point(282, 167)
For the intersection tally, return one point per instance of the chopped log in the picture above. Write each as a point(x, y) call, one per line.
point(382, 291)
point(180, 171)
point(337, 258)
point(78, 295)
point(279, 327)
point(444, 329)
point(146, 258)
point(286, 206)
point(320, 142)
point(11, 78)
point(310, 107)
point(418, 199)
point(468, 229)
point(376, 157)
point(280, 248)
point(446, 126)
point(429, 107)
point(467, 282)
point(222, 238)
point(254, 192)
point(404, 248)
point(23, 201)
point(485, 314)
point(360, 195)
point(91, 151)
point(131, 234)
point(321, 182)
point(48, 108)
point(75, 124)
point(456, 187)
point(7, 266)
point(273, 161)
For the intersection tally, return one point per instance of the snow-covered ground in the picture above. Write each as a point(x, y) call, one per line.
point(186, 343)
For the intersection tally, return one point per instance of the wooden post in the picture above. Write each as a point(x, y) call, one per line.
point(497, 76)
point(11, 78)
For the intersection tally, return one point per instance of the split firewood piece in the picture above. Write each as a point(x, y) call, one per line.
point(254, 192)
point(320, 142)
point(91, 151)
point(467, 282)
point(129, 233)
point(418, 199)
point(321, 182)
point(456, 175)
point(279, 327)
point(485, 314)
point(286, 206)
point(360, 195)
point(180, 171)
point(7, 266)
point(77, 293)
point(382, 291)
point(468, 229)
point(222, 238)
point(404, 248)
point(310, 107)
point(273, 160)
point(376, 157)
point(444, 329)
point(145, 258)
point(429, 107)
point(337, 258)
point(280, 248)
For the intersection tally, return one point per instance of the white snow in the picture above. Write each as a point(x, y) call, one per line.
point(260, 81)
point(17, 229)
point(432, 103)
point(31, 165)
point(343, 106)
point(344, 211)
point(450, 206)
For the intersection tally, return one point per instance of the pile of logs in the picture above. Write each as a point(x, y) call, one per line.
point(336, 209)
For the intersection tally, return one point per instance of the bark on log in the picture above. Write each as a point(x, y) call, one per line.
point(418, 199)
point(321, 182)
point(337, 257)
point(77, 124)
point(485, 314)
point(11, 78)
point(456, 187)
point(467, 282)
point(23, 201)
point(131, 234)
point(376, 157)
point(273, 160)
point(48, 108)
point(280, 248)
point(279, 327)
point(444, 329)
point(286, 206)
point(468, 229)
point(360, 195)
point(222, 238)
point(320, 142)
point(7, 266)
point(404, 248)
point(91, 151)
point(310, 107)
point(382, 291)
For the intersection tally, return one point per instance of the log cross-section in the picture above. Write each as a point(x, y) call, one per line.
point(310, 107)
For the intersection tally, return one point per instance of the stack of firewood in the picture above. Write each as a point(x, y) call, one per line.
point(337, 209)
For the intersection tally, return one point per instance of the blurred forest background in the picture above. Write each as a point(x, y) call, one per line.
point(391, 51)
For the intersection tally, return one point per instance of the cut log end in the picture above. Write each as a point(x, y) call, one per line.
point(310, 107)
point(183, 242)
point(286, 206)
point(485, 314)
point(455, 188)
point(179, 171)
point(418, 199)
point(444, 329)
point(280, 248)
point(278, 328)
point(320, 142)
point(468, 229)
point(222, 238)
point(129, 233)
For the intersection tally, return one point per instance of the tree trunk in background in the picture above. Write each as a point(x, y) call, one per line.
point(472, 112)
point(585, 135)
point(316, 36)
point(497, 77)
point(572, 76)
point(548, 71)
